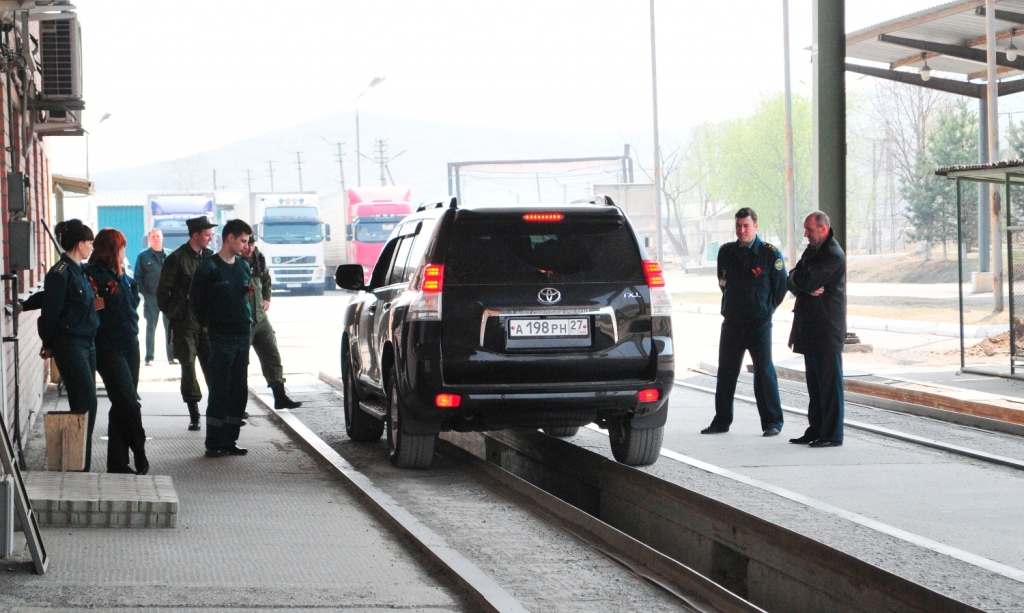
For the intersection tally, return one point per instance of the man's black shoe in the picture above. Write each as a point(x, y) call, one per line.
point(218, 452)
point(149, 362)
point(713, 429)
point(235, 450)
point(803, 440)
point(245, 415)
point(194, 426)
point(823, 443)
point(771, 432)
point(172, 361)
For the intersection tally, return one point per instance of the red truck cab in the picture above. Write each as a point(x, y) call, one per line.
point(373, 212)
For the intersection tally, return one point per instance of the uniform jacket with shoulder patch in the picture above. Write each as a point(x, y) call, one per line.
point(754, 281)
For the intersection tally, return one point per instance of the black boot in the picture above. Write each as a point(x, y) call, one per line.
point(281, 399)
point(193, 415)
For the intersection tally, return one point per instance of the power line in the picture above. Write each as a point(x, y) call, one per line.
point(298, 166)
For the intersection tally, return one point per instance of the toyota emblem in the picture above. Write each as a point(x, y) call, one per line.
point(549, 295)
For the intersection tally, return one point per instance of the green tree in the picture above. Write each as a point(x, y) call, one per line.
point(931, 200)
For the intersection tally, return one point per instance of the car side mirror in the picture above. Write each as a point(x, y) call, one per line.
point(350, 277)
point(348, 232)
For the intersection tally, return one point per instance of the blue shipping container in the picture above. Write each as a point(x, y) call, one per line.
point(131, 221)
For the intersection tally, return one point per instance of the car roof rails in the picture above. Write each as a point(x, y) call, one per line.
point(599, 199)
point(438, 205)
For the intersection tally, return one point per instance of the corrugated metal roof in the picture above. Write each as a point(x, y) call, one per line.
point(953, 23)
point(222, 197)
point(995, 172)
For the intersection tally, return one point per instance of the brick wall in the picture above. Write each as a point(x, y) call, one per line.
point(22, 150)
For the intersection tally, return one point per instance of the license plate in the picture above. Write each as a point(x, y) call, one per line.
point(291, 285)
point(543, 328)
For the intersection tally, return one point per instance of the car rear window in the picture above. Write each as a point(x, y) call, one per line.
point(511, 251)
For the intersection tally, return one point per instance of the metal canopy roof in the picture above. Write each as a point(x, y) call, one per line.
point(951, 37)
point(995, 172)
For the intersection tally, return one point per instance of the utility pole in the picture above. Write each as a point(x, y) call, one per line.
point(381, 148)
point(298, 166)
point(271, 173)
point(341, 167)
point(790, 187)
point(657, 146)
point(248, 180)
point(214, 179)
point(537, 176)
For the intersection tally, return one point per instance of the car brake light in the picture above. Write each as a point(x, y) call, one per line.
point(447, 401)
point(648, 395)
point(543, 217)
point(433, 279)
point(652, 271)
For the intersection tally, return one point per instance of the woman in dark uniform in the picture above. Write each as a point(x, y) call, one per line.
point(117, 351)
point(68, 323)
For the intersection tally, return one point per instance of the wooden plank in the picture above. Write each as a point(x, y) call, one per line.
point(65, 440)
point(23, 503)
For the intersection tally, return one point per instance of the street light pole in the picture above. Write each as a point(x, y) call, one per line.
point(657, 146)
point(790, 187)
point(105, 117)
point(359, 167)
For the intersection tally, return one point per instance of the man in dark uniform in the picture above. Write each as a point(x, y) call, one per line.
point(752, 277)
point(264, 341)
point(220, 299)
point(819, 329)
point(147, 274)
point(189, 339)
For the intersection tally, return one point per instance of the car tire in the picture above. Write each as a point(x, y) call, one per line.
point(561, 432)
point(359, 425)
point(635, 446)
point(405, 450)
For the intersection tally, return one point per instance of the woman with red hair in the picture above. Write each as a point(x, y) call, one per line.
point(117, 350)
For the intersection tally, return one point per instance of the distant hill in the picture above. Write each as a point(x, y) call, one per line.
point(423, 166)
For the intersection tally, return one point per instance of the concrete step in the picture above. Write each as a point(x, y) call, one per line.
point(102, 500)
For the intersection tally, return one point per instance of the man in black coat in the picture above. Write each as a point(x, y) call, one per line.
point(819, 329)
point(752, 277)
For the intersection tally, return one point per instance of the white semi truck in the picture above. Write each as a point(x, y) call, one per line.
point(291, 236)
point(168, 212)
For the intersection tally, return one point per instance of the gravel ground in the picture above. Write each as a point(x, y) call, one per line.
point(540, 565)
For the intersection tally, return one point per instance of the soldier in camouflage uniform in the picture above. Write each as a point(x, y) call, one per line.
point(189, 339)
point(264, 341)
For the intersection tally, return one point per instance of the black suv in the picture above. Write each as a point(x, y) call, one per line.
point(486, 318)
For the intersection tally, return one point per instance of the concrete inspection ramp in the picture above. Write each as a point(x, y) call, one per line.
point(272, 530)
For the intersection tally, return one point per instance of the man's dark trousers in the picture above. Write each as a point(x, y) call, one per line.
point(825, 387)
point(151, 311)
point(229, 390)
point(736, 339)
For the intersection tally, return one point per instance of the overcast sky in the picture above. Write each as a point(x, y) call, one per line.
point(191, 75)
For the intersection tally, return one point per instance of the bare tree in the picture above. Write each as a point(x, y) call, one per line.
point(904, 114)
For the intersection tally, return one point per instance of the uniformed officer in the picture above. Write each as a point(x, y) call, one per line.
point(220, 300)
point(189, 339)
point(264, 341)
point(117, 349)
point(147, 274)
point(752, 277)
point(68, 323)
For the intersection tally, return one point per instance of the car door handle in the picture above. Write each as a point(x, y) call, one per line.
point(387, 305)
point(373, 307)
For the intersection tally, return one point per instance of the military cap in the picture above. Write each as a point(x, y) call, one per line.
point(199, 223)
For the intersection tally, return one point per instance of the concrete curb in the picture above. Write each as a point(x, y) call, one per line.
point(488, 595)
point(854, 322)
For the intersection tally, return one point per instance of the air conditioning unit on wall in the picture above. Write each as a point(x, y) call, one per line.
point(60, 57)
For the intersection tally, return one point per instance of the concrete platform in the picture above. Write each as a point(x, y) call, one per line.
point(272, 531)
point(101, 500)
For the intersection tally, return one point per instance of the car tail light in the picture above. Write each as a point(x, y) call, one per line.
point(648, 395)
point(426, 287)
point(543, 217)
point(652, 271)
point(433, 279)
point(447, 401)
